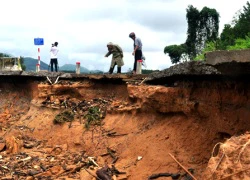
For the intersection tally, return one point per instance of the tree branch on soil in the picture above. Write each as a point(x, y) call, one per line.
point(226, 177)
point(92, 174)
point(181, 166)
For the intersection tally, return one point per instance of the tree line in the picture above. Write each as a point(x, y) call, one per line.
point(203, 34)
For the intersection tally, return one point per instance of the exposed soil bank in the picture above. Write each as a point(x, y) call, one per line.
point(187, 120)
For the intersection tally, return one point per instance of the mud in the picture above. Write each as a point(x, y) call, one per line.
point(140, 125)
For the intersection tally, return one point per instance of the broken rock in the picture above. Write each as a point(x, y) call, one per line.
point(13, 145)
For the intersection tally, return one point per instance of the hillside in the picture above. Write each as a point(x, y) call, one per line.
point(30, 64)
point(72, 67)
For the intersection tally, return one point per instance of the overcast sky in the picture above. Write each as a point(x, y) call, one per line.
point(84, 27)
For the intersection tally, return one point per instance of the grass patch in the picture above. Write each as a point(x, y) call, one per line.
point(93, 117)
point(65, 116)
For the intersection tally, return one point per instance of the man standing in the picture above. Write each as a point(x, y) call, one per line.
point(117, 53)
point(137, 53)
point(53, 56)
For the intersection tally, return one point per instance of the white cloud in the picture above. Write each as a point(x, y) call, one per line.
point(84, 27)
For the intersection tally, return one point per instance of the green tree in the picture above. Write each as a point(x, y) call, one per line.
point(208, 27)
point(242, 25)
point(22, 63)
point(227, 37)
point(203, 27)
point(233, 37)
point(239, 29)
point(210, 46)
point(175, 52)
point(192, 17)
point(240, 44)
point(4, 55)
point(147, 71)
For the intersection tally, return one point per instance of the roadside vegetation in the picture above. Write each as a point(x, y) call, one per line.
point(203, 34)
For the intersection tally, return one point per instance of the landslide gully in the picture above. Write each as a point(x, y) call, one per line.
point(186, 120)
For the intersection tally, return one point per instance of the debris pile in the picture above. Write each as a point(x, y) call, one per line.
point(91, 111)
point(13, 106)
point(232, 159)
point(33, 159)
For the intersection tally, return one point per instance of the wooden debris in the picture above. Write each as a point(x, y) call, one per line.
point(103, 173)
point(181, 166)
point(113, 134)
point(92, 174)
point(91, 159)
point(155, 176)
point(226, 177)
point(111, 153)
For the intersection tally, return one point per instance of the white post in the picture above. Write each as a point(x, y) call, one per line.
point(38, 63)
point(78, 68)
point(138, 66)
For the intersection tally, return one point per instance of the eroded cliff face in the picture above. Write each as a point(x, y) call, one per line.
point(225, 104)
point(140, 123)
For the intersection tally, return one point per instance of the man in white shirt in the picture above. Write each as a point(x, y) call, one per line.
point(53, 56)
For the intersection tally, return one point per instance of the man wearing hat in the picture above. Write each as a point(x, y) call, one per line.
point(117, 53)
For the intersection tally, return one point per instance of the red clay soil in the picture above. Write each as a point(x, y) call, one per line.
point(142, 125)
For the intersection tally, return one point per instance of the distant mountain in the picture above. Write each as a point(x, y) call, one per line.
point(96, 72)
point(72, 68)
point(30, 64)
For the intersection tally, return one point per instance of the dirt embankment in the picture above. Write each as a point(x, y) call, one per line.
point(138, 125)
